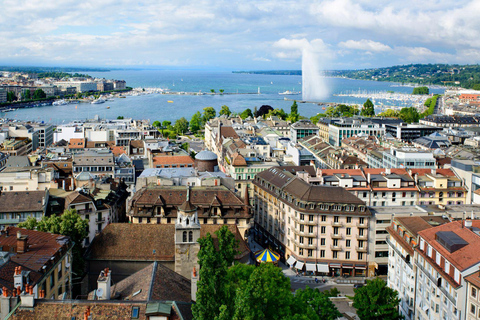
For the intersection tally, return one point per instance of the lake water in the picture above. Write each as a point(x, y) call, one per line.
point(156, 106)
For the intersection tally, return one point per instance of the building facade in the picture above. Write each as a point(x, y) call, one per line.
point(314, 228)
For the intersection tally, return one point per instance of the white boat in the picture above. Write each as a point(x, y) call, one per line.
point(288, 92)
point(59, 103)
point(98, 101)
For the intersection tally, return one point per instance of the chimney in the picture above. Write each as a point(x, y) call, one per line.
point(27, 299)
point(22, 242)
point(104, 284)
point(194, 284)
point(434, 171)
point(388, 171)
point(8, 301)
point(18, 278)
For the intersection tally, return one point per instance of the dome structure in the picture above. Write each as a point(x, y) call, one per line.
point(206, 155)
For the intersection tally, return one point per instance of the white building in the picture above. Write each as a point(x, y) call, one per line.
point(411, 158)
point(67, 132)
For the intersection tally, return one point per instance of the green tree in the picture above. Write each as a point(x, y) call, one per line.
point(79, 95)
point(266, 295)
point(185, 146)
point(368, 109)
point(120, 118)
point(212, 285)
point(421, 90)
point(246, 113)
point(26, 95)
point(389, 113)
point(225, 110)
point(71, 224)
point(196, 122)
point(180, 126)
point(376, 301)
point(315, 304)
point(221, 90)
point(39, 94)
point(255, 111)
point(208, 113)
point(166, 124)
point(278, 113)
point(157, 124)
point(294, 115)
point(212, 90)
point(11, 96)
point(409, 115)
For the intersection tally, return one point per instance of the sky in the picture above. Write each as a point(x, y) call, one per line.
point(238, 35)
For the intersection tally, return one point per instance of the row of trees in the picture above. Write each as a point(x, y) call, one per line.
point(198, 120)
point(27, 95)
point(227, 291)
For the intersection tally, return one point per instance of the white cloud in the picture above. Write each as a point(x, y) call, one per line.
point(365, 45)
point(236, 33)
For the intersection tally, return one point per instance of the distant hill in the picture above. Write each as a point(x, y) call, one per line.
point(50, 69)
point(466, 76)
point(273, 72)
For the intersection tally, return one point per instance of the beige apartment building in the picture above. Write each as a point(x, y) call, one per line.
point(315, 229)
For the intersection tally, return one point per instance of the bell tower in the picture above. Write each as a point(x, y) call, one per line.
point(187, 232)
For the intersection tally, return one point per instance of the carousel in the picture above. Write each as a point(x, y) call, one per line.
point(267, 255)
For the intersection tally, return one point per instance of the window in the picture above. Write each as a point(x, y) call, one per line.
point(190, 236)
point(349, 219)
point(310, 252)
point(362, 220)
point(324, 218)
point(335, 219)
point(310, 229)
point(335, 254)
point(347, 255)
point(348, 243)
point(349, 231)
point(310, 218)
point(59, 271)
point(302, 216)
point(335, 230)
point(52, 280)
point(322, 253)
point(310, 241)
point(135, 312)
point(323, 230)
point(184, 236)
point(300, 251)
point(360, 255)
point(474, 292)
point(473, 309)
point(322, 241)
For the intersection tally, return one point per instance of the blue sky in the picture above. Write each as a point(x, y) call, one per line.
point(238, 35)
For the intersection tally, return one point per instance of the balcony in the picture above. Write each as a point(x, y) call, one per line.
point(362, 236)
point(336, 248)
point(336, 236)
point(85, 211)
point(101, 220)
point(310, 223)
point(337, 224)
point(362, 225)
point(304, 245)
point(361, 249)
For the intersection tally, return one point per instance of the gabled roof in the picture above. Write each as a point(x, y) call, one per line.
point(146, 242)
point(23, 201)
point(76, 197)
point(41, 247)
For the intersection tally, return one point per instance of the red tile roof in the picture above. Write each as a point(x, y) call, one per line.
point(41, 247)
point(462, 258)
point(171, 160)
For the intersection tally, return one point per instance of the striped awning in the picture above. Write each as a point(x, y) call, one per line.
point(299, 265)
point(291, 261)
point(267, 256)
point(322, 267)
point(311, 266)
